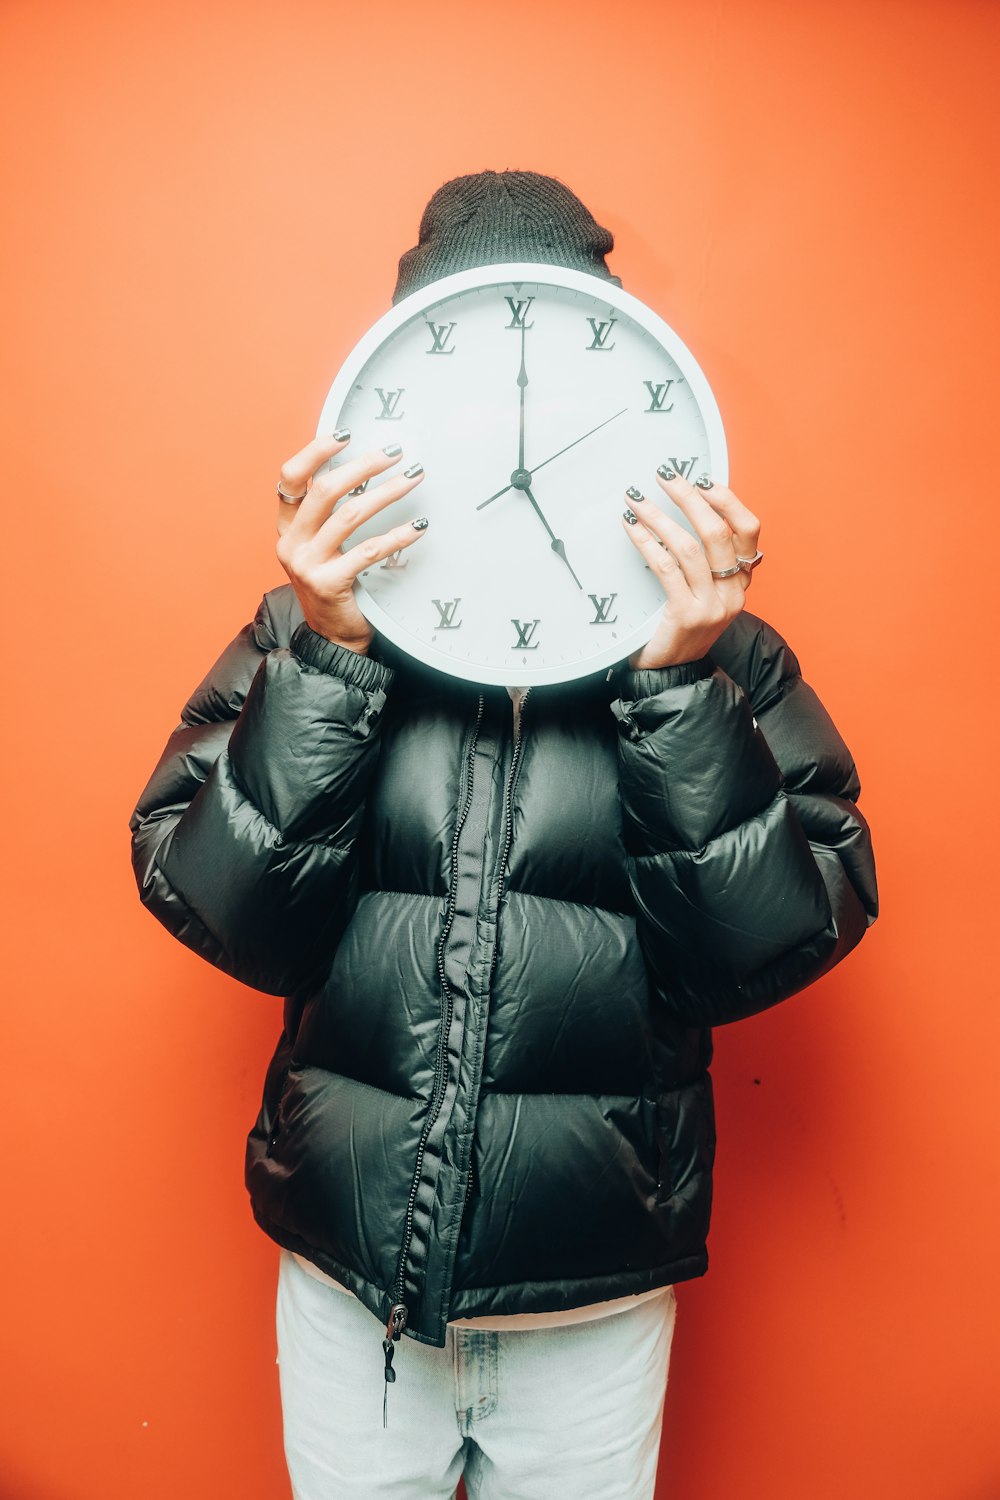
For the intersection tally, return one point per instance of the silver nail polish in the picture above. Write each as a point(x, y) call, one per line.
point(629, 517)
point(413, 471)
point(633, 493)
point(342, 434)
point(393, 450)
point(704, 483)
point(420, 524)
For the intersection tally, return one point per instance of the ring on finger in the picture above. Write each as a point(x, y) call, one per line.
point(290, 499)
point(749, 563)
point(727, 572)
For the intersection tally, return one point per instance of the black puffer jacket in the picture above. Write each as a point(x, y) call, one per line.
point(502, 955)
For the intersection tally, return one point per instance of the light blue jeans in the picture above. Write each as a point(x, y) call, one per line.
point(527, 1414)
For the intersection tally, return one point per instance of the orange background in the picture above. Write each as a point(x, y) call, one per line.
point(205, 206)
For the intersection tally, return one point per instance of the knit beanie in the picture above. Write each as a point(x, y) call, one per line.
point(489, 217)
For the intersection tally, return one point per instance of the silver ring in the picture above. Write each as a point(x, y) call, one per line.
point(290, 499)
point(727, 572)
point(749, 563)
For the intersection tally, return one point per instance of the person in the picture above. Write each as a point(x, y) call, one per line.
point(504, 924)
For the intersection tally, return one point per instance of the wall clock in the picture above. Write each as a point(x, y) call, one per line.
point(533, 395)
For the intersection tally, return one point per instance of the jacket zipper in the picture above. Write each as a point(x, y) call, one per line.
point(508, 819)
point(508, 837)
point(398, 1312)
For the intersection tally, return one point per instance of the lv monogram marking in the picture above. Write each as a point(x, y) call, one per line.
point(390, 402)
point(683, 465)
point(394, 560)
point(657, 395)
point(525, 630)
point(440, 333)
point(519, 311)
point(602, 607)
point(601, 332)
point(446, 610)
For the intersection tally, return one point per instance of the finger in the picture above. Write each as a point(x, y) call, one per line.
point(661, 562)
point(331, 486)
point(687, 550)
point(713, 529)
point(296, 472)
point(744, 524)
point(358, 506)
point(374, 549)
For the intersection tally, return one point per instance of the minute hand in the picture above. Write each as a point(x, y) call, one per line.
point(554, 456)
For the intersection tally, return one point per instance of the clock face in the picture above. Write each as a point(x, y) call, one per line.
point(524, 574)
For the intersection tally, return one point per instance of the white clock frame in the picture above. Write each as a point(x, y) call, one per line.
point(501, 274)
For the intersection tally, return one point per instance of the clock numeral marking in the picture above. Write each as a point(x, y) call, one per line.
point(390, 401)
point(657, 396)
point(683, 465)
point(446, 610)
point(602, 609)
point(525, 630)
point(519, 311)
point(359, 489)
point(601, 331)
point(394, 560)
point(440, 333)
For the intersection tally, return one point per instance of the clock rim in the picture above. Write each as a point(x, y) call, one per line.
point(499, 273)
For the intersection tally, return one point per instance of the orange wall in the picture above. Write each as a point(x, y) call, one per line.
point(206, 204)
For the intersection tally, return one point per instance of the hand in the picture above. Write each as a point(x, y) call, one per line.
point(312, 533)
point(699, 607)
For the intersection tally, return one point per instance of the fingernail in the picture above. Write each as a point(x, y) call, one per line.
point(630, 518)
point(393, 450)
point(342, 434)
point(633, 493)
point(413, 471)
point(420, 524)
point(704, 483)
point(666, 473)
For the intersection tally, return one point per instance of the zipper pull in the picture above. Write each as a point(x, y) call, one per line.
point(393, 1329)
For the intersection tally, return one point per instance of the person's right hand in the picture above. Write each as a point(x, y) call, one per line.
point(312, 533)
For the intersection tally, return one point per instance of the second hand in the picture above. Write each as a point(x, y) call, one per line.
point(532, 472)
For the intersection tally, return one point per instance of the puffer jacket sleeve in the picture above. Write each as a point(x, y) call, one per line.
point(750, 864)
point(243, 840)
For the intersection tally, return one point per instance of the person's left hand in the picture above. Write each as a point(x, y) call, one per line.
point(698, 607)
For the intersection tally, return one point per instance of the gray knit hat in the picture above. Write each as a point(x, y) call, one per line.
point(489, 217)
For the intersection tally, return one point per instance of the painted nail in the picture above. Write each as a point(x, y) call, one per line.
point(420, 524)
point(666, 473)
point(633, 493)
point(342, 434)
point(630, 518)
point(393, 450)
point(413, 471)
point(704, 483)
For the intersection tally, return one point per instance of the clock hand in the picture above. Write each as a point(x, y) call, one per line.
point(577, 440)
point(534, 471)
point(557, 546)
point(522, 380)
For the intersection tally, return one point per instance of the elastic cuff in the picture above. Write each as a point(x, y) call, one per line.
point(327, 656)
point(633, 685)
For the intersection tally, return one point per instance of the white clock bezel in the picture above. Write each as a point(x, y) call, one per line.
point(543, 274)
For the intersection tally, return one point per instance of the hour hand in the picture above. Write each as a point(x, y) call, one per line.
point(558, 547)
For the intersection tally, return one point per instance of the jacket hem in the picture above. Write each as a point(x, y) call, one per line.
point(480, 1301)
